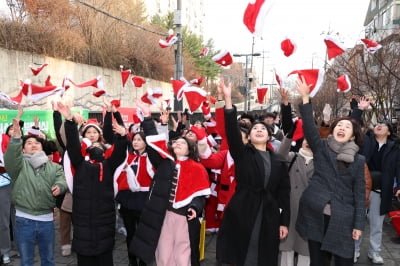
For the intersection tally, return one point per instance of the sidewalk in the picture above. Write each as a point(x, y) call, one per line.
point(390, 251)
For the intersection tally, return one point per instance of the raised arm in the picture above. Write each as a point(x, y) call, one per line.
point(235, 143)
point(71, 132)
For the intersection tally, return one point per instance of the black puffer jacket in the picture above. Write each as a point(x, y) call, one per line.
point(93, 213)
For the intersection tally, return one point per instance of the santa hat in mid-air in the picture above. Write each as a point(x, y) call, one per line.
point(298, 133)
point(197, 81)
point(278, 79)
point(313, 77)
point(138, 81)
point(99, 93)
point(169, 41)
point(343, 83)
point(116, 103)
point(223, 58)
point(11, 100)
point(333, 47)
point(40, 92)
point(124, 74)
point(179, 87)
point(96, 82)
point(255, 14)
point(288, 47)
point(204, 51)
point(371, 46)
point(195, 97)
point(261, 92)
point(152, 95)
point(37, 70)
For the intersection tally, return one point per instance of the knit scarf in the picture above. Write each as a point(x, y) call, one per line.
point(345, 151)
point(307, 155)
point(37, 159)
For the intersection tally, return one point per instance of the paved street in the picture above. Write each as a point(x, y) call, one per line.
point(390, 251)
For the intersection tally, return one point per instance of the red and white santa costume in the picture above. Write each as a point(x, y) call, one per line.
point(126, 179)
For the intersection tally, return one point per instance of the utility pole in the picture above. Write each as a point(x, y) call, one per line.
point(248, 78)
point(178, 68)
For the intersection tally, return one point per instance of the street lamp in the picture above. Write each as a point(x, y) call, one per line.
point(248, 78)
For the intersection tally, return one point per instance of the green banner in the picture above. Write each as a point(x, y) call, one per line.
point(45, 120)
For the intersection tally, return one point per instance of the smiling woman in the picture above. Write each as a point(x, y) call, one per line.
point(332, 208)
point(262, 194)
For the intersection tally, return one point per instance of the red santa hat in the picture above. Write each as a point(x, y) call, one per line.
point(197, 81)
point(159, 143)
point(343, 83)
point(298, 133)
point(288, 47)
point(179, 87)
point(11, 100)
point(204, 51)
point(37, 70)
point(313, 77)
point(40, 92)
point(152, 95)
point(124, 75)
point(138, 81)
point(169, 41)
point(278, 79)
point(255, 14)
point(138, 116)
point(261, 92)
point(96, 82)
point(168, 103)
point(65, 84)
point(99, 93)
point(371, 46)
point(205, 108)
point(92, 122)
point(116, 103)
point(47, 82)
point(223, 58)
point(195, 96)
point(333, 47)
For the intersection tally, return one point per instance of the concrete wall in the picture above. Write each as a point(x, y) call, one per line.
point(15, 67)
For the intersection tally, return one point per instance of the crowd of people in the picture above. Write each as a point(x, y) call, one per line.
point(275, 189)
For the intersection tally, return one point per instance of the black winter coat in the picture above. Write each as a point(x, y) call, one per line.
point(93, 211)
point(145, 241)
point(240, 214)
point(390, 164)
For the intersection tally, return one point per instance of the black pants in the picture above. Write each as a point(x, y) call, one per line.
point(320, 257)
point(131, 220)
point(104, 259)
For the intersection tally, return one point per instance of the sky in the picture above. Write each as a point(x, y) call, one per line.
point(306, 22)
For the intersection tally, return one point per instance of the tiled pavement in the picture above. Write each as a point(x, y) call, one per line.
point(390, 251)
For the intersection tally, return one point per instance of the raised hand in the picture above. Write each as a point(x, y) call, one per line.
point(284, 95)
point(64, 110)
point(16, 128)
point(303, 89)
point(226, 90)
point(144, 107)
point(364, 103)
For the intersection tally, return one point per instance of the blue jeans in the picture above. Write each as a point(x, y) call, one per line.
point(27, 233)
